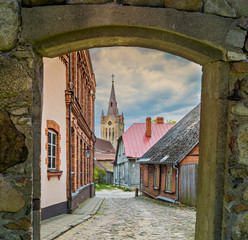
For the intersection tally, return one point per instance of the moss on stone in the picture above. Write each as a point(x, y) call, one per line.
point(14, 77)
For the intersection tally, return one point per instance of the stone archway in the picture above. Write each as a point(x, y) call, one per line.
point(56, 30)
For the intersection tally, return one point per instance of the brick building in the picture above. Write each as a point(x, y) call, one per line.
point(68, 115)
point(169, 170)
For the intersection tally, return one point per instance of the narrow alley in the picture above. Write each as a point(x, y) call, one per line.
point(126, 217)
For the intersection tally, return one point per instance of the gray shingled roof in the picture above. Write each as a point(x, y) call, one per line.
point(177, 142)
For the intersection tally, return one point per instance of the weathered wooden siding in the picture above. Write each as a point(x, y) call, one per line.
point(189, 173)
point(109, 178)
point(135, 173)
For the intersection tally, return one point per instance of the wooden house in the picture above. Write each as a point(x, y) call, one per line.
point(131, 146)
point(168, 170)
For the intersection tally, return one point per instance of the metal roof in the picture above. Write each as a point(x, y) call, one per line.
point(177, 142)
point(136, 143)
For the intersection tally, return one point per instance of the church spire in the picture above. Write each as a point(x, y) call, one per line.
point(112, 108)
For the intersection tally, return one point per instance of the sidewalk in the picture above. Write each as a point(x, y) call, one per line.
point(53, 227)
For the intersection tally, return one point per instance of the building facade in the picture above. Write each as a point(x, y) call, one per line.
point(68, 117)
point(137, 140)
point(112, 125)
point(169, 170)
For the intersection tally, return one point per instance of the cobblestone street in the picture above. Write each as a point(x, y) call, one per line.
point(136, 218)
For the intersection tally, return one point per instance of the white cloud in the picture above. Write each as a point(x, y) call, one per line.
point(147, 82)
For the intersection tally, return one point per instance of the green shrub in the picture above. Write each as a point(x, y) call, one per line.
point(99, 175)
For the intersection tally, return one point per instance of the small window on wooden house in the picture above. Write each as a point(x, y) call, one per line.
point(146, 175)
point(155, 180)
point(168, 183)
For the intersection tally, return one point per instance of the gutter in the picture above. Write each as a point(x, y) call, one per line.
point(69, 127)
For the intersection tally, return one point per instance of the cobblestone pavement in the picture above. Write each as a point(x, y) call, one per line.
point(136, 218)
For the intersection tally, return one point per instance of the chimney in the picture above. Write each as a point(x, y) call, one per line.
point(148, 127)
point(160, 120)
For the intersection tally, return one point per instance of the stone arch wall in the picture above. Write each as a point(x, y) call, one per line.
point(210, 32)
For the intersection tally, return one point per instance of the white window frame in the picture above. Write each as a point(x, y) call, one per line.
point(53, 153)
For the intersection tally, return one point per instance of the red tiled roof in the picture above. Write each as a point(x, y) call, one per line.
point(104, 156)
point(136, 143)
point(104, 146)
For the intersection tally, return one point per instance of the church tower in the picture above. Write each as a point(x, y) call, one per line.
point(112, 125)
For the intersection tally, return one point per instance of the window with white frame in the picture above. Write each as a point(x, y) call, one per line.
point(52, 149)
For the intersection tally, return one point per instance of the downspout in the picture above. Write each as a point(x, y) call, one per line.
point(69, 126)
point(177, 177)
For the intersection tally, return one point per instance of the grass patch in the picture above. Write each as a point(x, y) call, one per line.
point(100, 187)
point(126, 190)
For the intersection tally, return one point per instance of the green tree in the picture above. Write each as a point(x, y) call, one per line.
point(99, 175)
point(170, 121)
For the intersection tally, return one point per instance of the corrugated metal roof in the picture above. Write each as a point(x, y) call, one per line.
point(178, 141)
point(136, 143)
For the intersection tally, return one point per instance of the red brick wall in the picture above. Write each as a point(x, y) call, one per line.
point(82, 117)
point(192, 157)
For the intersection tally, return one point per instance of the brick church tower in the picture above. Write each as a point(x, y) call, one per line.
point(112, 125)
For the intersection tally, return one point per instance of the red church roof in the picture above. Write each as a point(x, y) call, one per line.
point(136, 143)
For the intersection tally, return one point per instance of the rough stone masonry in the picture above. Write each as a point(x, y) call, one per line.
point(20, 110)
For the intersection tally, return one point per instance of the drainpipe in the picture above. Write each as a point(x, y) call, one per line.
point(69, 127)
point(177, 176)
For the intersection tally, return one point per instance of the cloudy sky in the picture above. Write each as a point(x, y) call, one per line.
point(148, 83)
